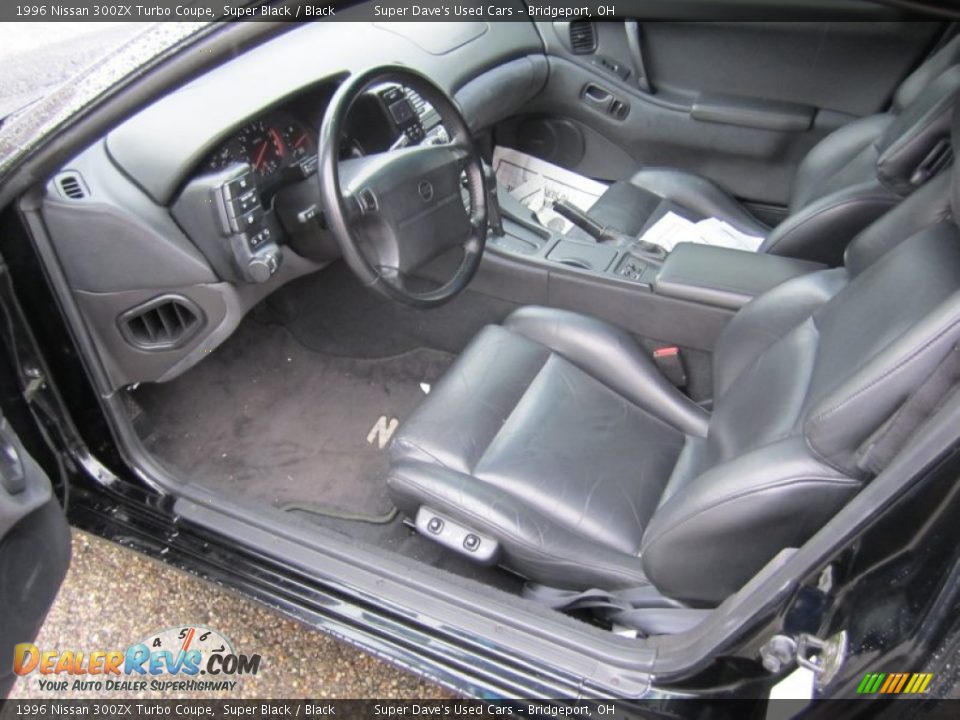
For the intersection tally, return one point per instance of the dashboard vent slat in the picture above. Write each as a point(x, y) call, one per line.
point(583, 37)
point(425, 111)
point(163, 323)
point(71, 185)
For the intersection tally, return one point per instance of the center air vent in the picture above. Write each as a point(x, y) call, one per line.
point(163, 323)
point(583, 38)
point(71, 185)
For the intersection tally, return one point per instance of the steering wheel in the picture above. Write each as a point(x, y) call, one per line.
point(395, 211)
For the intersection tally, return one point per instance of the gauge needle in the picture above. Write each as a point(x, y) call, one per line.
point(188, 640)
point(260, 155)
point(301, 141)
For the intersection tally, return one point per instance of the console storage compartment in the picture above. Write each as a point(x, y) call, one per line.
point(723, 277)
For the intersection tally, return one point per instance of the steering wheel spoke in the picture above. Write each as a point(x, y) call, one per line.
point(395, 211)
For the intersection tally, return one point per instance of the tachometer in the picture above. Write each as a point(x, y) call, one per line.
point(262, 147)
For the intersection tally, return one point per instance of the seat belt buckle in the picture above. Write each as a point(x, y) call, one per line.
point(670, 362)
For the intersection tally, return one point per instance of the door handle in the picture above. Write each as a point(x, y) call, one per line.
point(604, 101)
point(596, 96)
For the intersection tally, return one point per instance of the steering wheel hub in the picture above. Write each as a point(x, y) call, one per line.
point(396, 211)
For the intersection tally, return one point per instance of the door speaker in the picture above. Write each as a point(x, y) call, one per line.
point(555, 140)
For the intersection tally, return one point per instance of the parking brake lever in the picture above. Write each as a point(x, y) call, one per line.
point(604, 233)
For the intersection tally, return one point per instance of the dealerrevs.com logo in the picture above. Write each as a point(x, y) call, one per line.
point(191, 658)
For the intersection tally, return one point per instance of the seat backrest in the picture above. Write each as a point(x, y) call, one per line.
point(804, 376)
point(854, 175)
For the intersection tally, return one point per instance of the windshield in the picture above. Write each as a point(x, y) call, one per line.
point(38, 57)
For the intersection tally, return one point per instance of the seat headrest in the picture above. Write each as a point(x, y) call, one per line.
point(916, 137)
point(920, 78)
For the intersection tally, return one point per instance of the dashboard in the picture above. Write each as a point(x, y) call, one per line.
point(260, 178)
point(147, 218)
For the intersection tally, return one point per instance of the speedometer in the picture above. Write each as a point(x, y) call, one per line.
point(298, 140)
point(261, 145)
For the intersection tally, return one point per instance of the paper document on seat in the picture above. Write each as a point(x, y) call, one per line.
point(536, 184)
point(672, 229)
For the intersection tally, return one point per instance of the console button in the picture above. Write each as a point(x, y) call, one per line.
point(248, 221)
point(238, 186)
point(243, 204)
point(367, 201)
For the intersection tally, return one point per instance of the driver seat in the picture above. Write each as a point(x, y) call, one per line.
point(555, 447)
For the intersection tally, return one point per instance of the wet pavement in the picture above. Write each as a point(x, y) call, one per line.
point(114, 597)
point(37, 56)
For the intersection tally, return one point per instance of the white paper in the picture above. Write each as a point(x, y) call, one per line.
point(790, 696)
point(798, 685)
point(672, 229)
point(536, 184)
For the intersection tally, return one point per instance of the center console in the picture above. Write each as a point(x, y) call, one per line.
point(684, 297)
point(724, 277)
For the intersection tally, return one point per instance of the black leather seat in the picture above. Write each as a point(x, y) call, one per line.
point(848, 180)
point(554, 438)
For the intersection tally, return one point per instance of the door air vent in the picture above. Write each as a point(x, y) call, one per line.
point(164, 323)
point(71, 185)
point(583, 37)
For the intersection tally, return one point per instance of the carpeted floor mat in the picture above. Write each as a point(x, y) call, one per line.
point(268, 419)
point(332, 312)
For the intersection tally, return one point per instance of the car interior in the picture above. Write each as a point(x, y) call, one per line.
point(311, 295)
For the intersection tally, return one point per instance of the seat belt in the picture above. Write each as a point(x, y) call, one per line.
point(632, 28)
point(640, 608)
point(882, 446)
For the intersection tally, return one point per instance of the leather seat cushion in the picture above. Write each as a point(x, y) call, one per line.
point(568, 459)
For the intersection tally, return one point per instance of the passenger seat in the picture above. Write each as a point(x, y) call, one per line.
point(848, 180)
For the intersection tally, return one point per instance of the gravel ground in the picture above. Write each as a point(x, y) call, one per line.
point(297, 662)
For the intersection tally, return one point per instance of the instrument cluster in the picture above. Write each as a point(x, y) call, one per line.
point(271, 145)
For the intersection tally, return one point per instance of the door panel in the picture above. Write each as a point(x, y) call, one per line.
point(849, 67)
point(34, 549)
point(739, 103)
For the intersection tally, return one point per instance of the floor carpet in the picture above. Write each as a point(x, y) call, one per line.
point(269, 419)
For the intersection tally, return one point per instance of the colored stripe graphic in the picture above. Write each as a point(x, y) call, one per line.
point(894, 683)
point(891, 681)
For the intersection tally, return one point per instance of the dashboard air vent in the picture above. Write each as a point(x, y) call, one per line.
point(71, 185)
point(419, 104)
point(428, 116)
point(583, 37)
point(163, 323)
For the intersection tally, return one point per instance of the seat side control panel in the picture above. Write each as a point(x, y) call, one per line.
point(457, 537)
point(251, 233)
